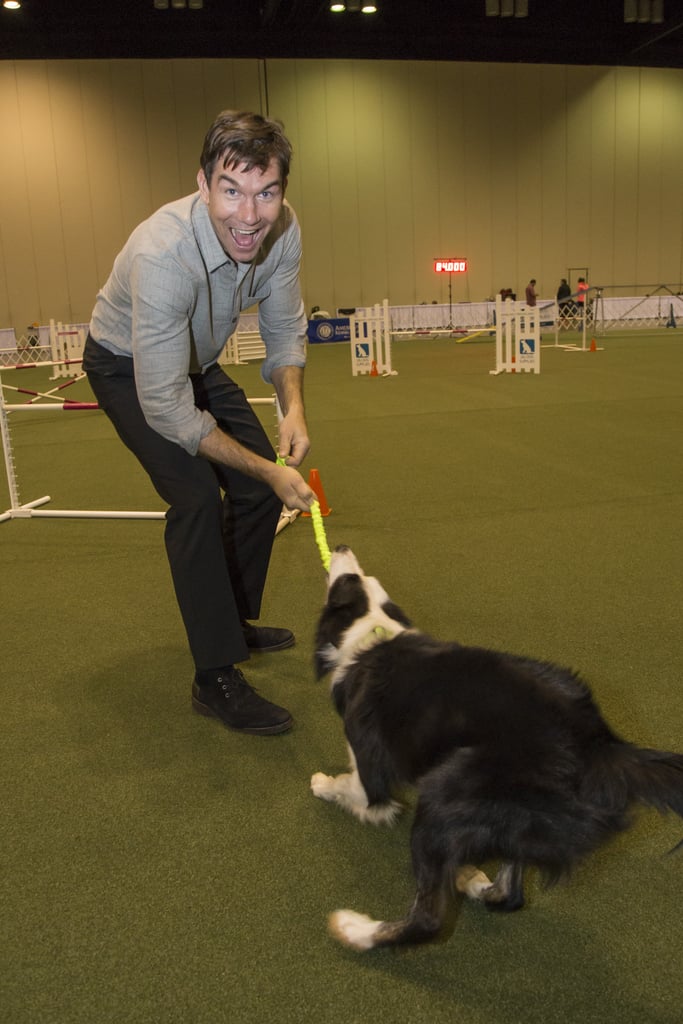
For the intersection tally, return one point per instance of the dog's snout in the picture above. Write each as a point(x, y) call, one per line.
point(342, 561)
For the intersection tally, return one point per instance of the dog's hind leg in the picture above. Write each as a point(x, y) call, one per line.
point(425, 918)
point(422, 923)
point(471, 882)
point(507, 891)
point(348, 791)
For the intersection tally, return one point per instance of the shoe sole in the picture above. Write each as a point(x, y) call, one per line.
point(266, 730)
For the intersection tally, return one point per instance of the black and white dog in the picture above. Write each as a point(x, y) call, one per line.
point(511, 757)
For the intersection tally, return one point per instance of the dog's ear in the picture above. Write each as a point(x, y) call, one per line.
point(396, 613)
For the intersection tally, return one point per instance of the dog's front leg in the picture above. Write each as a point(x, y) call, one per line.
point(347, 791)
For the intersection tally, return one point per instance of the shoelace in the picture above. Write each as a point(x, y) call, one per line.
point(236, 685)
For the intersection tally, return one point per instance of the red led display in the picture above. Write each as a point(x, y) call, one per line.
point(450, 266)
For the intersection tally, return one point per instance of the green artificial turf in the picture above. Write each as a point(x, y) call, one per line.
point(157, 868)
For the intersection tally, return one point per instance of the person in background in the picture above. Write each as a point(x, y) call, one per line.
point(564, 301)
point(531, 294)
point(582, 308)
point(159, 324)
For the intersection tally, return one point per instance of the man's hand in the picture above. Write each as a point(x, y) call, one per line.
point(288, 483)
point(293, 435)
point(294, 444)
point(291, 488)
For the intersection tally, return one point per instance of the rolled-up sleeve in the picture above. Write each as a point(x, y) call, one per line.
point(162, 306)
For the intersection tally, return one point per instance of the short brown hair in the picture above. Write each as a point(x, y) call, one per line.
point(248, 140)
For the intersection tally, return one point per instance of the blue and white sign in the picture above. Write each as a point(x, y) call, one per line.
point(320, 331)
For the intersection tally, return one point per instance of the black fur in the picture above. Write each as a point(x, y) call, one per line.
point(511, 757)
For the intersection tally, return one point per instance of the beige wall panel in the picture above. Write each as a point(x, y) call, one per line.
point(601, 209)
point(305, 118)
point(100, 132)
point(671, 182)
point(44, 234)
point(19, 290)
point(233, 85)
point(398, 184)
point(626, 151)
point(191, 119)
point(75, 212)
point(472, 155)
point(579, 157)
point(529, 149)
point(372, 171)
point(429, 130)
point(128, 149)
point(343, 182)
point(162, 137)
point(648, 198)
point(553, 206)
point(502, 126)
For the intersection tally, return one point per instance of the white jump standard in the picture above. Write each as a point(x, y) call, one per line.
point(370, 338)
point(518, 337)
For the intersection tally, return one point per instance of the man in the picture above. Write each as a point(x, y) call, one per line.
point(531, 292)
point(564, 293)
point(160, 322)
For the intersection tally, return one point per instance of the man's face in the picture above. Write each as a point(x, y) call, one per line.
point(243, 206)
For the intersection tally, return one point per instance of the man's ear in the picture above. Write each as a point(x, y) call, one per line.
point(203, 184)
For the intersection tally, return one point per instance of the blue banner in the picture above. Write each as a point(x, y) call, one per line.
point(328, 330)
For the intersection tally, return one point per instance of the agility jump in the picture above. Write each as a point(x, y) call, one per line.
point(50, 401)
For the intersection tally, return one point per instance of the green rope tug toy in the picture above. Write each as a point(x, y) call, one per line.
point(320, 536)
point(318, 528)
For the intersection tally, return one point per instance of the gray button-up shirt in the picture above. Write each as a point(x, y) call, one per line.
point(174, 297)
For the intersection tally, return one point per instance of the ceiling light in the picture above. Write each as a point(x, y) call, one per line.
point(369, 9)
point(337, 8)
point(11, 5)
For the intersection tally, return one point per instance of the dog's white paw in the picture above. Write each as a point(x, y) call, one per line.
point(353, 929)
point(471, 881)
point(323, 786)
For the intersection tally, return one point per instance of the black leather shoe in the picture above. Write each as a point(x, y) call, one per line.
point(267, 638)
point(225, 694)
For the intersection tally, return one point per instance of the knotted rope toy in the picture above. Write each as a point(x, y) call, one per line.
point(318, 528)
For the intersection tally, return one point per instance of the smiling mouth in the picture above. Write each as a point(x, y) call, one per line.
point(244, 239)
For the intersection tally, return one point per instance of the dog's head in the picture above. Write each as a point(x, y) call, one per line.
point(358, 614)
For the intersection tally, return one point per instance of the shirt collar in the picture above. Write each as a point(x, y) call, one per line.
point(213, 253)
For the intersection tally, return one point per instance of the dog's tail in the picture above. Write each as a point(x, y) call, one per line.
point(622, 774)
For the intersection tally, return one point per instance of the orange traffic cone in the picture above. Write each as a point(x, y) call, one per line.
point(594, 347)
point(315, 484)
point(373, 369)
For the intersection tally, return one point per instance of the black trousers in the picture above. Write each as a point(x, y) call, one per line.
point(220, 524)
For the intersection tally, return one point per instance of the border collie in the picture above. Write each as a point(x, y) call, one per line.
point(511, 758)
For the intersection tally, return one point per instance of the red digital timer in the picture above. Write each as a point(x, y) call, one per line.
point(450, 266)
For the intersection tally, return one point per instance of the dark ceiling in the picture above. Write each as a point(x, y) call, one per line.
point(554, 32)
